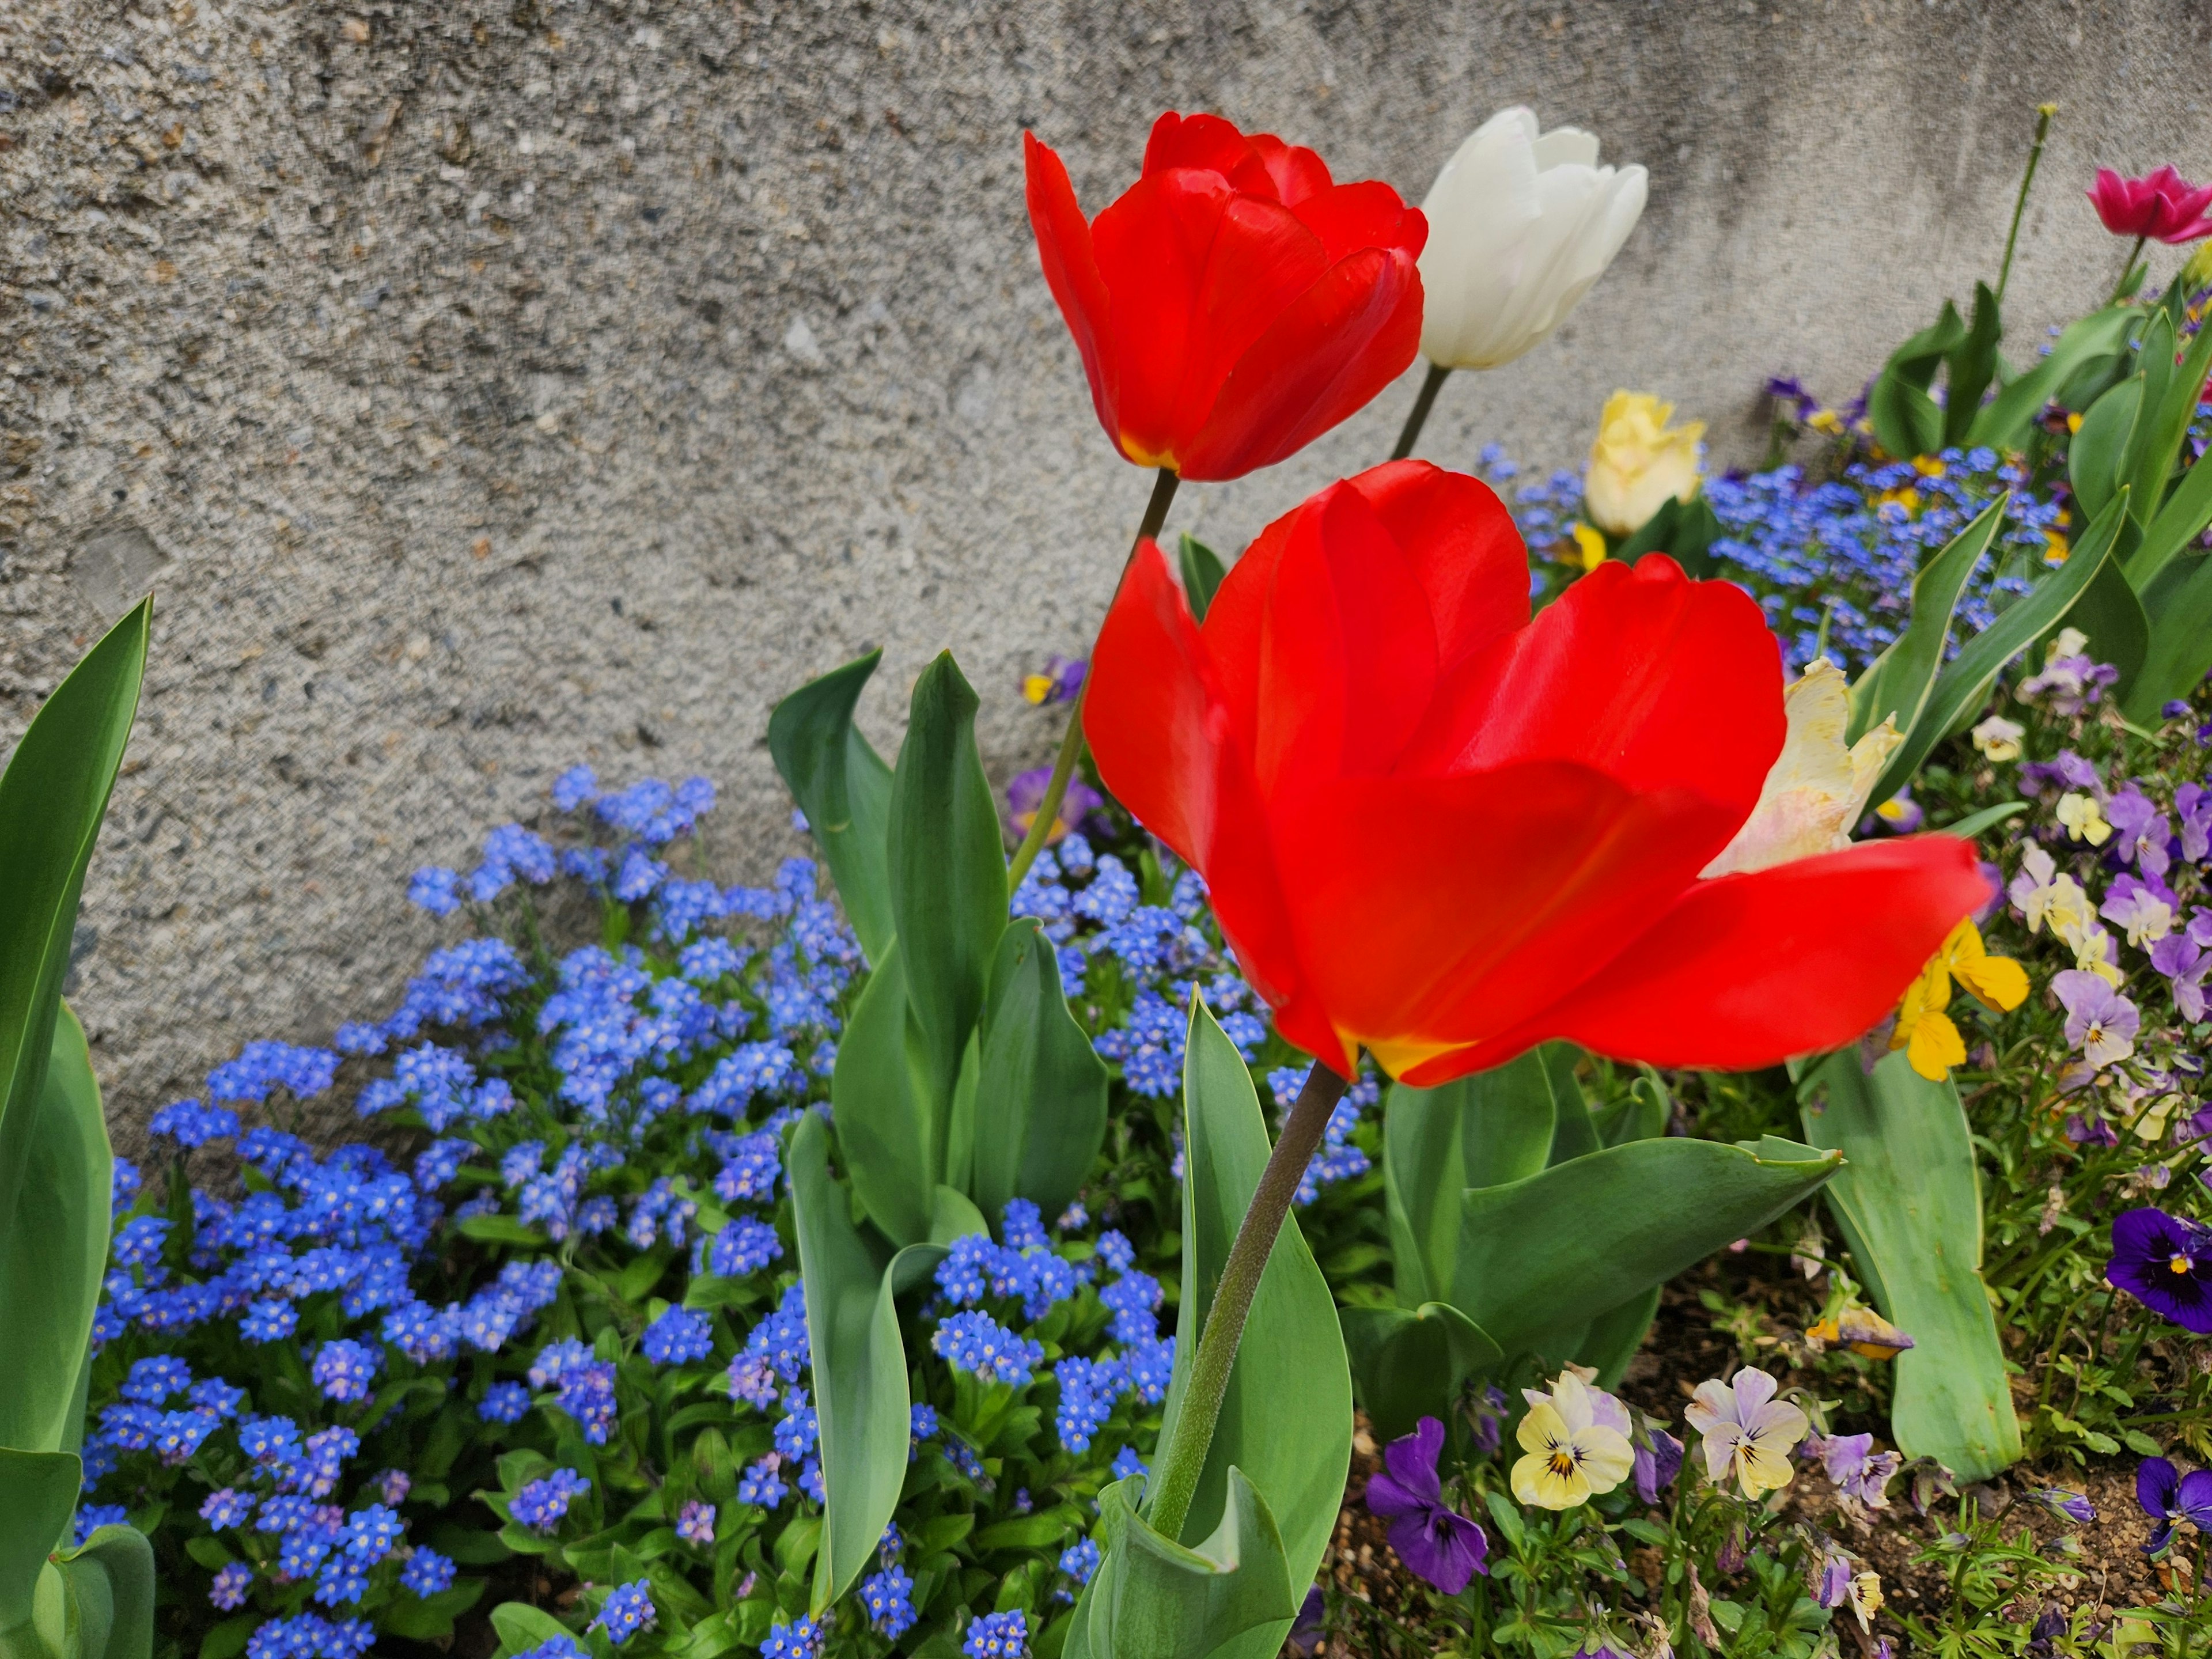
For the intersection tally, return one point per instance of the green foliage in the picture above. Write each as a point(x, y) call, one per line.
point(1040, 1108)
point(1907, 1199)
point(1202, 570)
point(844, 788)
point(1153, 1598)
point(54, 1166)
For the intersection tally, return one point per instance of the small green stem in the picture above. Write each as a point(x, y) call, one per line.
point(1070, 741)
point(2120, 287)
point(2043, 115)
point(1232, 1298)
point(1422, 404)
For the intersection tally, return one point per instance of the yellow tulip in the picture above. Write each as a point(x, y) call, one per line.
point(1639, 461)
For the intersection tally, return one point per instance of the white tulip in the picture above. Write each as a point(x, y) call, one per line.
point(1520, 225)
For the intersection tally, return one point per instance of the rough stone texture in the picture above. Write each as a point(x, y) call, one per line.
point(485, 386)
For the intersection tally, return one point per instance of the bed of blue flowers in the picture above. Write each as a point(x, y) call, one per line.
point(533, 1345)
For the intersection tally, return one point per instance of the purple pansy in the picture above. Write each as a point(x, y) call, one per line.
point(2185, 963)
point(2143, 910)
point(1658, 1458)
point(2141, 831)
point(2099, 1022)
point(1026, 793)
point(2065, 771)
point(2165, 1263)
point(2192, 805)
point(1435, 1543)
point(2170, 1498)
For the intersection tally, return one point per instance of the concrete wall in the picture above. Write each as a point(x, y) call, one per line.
point(485, 386)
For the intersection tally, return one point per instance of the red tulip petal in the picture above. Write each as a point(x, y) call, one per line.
point(1436, 912)
point(1348, 660)
point(1295, 171)
point(1747, 971)
point(1658, 681)
point(1236, 624)
point(1153, 714)
point(1063, 239)
point(1346, 338)
point(1349, 217)
point(1211, 144)
point(1465, 549)
point(1197, 273)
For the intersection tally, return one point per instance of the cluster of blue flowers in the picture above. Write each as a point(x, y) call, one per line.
point(306, 1365)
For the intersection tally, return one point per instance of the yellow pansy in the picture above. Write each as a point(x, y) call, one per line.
point(1928, 466)
point(1999, 739)
point(1862, 1331)
point(1924, 1030)
point(1571, 1456)
point(2055, 547)
point(2083, 818)
point(1905, 496)
point(1826, 421)
point(1038, 688)
point(1591, 545)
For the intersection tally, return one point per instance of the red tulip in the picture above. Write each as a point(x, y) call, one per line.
point(1234, 303)
point(2163, 206)
point(1438, 828)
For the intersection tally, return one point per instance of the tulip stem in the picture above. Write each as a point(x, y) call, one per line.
point(2043, 115)
point(1070, 741)
point(1209, 1382)
point(2120, 288)
point(1422, 404)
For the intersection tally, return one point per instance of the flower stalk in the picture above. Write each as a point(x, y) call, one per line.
point(1419, 418)
point(1232, 1297)
point(1071, 742)
point(2043, 115)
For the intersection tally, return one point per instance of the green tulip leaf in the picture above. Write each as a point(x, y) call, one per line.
point(2112, 615)
point(886, 1117)
point(1973, 823)
point(1963, 688)
point(1285, 1419)
point(1548, 1255)
point(1906, 420)
point(1153, 1598)
point(1899, 680)
point(948, 869)
point(2180, 649)
point(1910, 1209)
point(844, 788)
point(2003, 422)
point(2178, 522)
point(50, 1260)
point(1971, 366)
point(955, 1215)
point(42, 1490)
point(1573, 1130)
point(110, 1578)
point(52, 797)
point(1611, 1339)
point(1202, 571)
point(861, 1400)
point(1408, 1363)
point(1481, 1131)
point(1040, 1102)
point(1641, 1114)
point(2094, 461)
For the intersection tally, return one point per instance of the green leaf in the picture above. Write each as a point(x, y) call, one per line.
point(1152, 1598)
point(521, 1626)
point(42, 1491)
point(2112, 615)
point(1909, 1210)
point(1554, 1252)
point(886, 1117)
point(426, 1619)
point(948, 872)
point(2003, 422)
point(1899, 680)
point(955, 1215)
point(501, 1230)
point(861, 1400)
point(1613, 1337)
point(2094, 461)
point(1574, 1131)
point(844, 788)
point(1964, 686)
point(1906, 421)
point(1040, 1102)
point(1029, 1532)
point(50, 1260)
point(1971, 366)
point(1285, 1418)
point(111, 1579)
point(1202, 571)
point(229, 1640)
point(52, 797)
point(1480, 1130)
point(1974, 823)
point(1409, 1363)
point(2180, 650)
point(2178, 522)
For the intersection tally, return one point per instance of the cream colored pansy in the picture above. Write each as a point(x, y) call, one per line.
point(1998, 738)
point(1866, 1598)
point(1817, 788)
point(2083, 818)
point(2067, 642)
point(1572, 1453)
point(1748, 1433)
point(2044, 893)
point(2093, 951)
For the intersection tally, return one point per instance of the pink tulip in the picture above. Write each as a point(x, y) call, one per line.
point(2161, 205)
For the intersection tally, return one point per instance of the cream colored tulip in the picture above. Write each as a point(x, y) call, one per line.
point(1640, 462)
point(1520, 223)
point(1817, 788)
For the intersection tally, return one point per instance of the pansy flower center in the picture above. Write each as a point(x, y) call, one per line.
point(2181, 1263)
